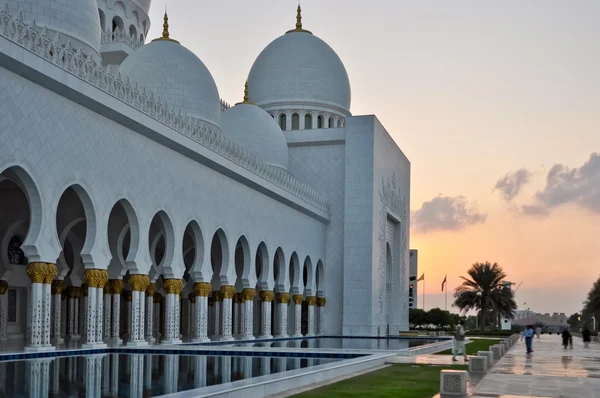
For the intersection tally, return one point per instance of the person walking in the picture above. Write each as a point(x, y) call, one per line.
point(538, 331)
point(528, 336)
point(566, 337)
point(458, 343)
point(587, 337)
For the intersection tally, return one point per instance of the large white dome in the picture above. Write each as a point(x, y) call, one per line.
point(76, 21)
point(299, 68)
point(257, 132)
point(169, 70)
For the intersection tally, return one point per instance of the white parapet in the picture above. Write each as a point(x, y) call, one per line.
point(478, 365)
point(489, 355)
point(453, 383)
point(497, 350)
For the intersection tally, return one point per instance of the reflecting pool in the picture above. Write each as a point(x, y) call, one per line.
point(346, 343)
point(138, 375)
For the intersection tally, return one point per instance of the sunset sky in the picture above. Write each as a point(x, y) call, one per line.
point(496, 104)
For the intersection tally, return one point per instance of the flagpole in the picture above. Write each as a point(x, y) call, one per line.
point(423, 294)
point(446, 287)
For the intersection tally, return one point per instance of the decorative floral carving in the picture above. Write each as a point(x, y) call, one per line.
point(266, 296)
point(248, 294)
point(116, 286)
point(139, 283)
point(57, 286)
point(311, 300)
point(173, 286)
point(95, 278)
point(202, 289)
point(298, 299)
point(283, 298)
point(321, 301)
point(150, 290)
point(74, 61)
point(228, 291)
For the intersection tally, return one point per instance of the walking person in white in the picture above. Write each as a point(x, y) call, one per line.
point(458, 343)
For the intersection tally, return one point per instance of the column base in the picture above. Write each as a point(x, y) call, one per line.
point(94, 345)
point(207, 340)
point(58, 340)
point(297, 335)
point(114, 341)
point(171, 341)
point(40, 348)
point(281, 336)
point(74, 337)
point(310, 335)
point(266, 336)
point(247, 338)
point(228, 338)
point(150, 340)
point(4, 339)
point(137, 343)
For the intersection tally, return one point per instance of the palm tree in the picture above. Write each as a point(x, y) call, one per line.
point(483, 291)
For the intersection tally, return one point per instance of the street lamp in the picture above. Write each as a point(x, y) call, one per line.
point(594, 320)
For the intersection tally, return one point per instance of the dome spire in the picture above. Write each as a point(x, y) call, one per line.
point(165, 34)
point(246, 96)
point(299, 22)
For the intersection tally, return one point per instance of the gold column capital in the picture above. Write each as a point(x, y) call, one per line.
point(217, 296)
point(283, 298)
point(248, 294)
point(173, 286)
point(73, 291)
point(107, 289)
point(139, 283)
point(311, 300)
point(237, 298)
point(116, 286)
point(202, 289)
point(321, 301)
point(84, 290)
point(266, 295)
point(157, 297)
point(95, 278)
point(41, 272)
point(228, 291)
point(298, 299)
point(57, 287)
point(3, 287)
point(151, 290)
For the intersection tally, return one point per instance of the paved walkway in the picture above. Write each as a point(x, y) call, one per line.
point(550, 371)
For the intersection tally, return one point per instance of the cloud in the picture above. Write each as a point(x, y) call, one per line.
point(511, 184)
point(445, 213)
point(579, 186)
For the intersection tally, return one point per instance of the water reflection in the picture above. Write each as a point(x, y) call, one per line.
point(345, 343)
point(135, 376)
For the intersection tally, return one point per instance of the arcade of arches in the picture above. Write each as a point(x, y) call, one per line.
point(44, 303)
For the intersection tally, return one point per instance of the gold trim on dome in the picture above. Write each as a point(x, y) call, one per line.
point(202, 289)
point(116, 286)
point(4, 287)
point(246, 99)
point(299, 23)
point(283, 298)
point(298, 299)
point(57, 287)
point(173, 286)
point(139, 283)
point(150, 290)
point(192, 297)
point(165, 34)
point(266, 295)
point(248, 294)
point(321, 301)
point(311, 300)
point(228, 291)
point(95, 278)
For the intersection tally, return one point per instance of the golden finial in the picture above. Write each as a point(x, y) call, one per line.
point(246, 95)
point(165, 34)
point(299, 22)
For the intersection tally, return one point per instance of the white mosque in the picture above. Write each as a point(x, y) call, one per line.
point(137, 207)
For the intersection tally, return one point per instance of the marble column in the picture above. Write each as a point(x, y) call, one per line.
point(139, 284)
point(83, 311)
point(114, 378)
point(266, 297)
point(282, 301)
point(172, 289)
point(128, 300)
point(136, 375)
point(298, 299)
point(237, 315)
point(200, 313)
point(321, 315)
point(311, 301)
point(218, 301)
point(227, 293)
point(3, 310)
point(211, 317)
point(248, 311)
point(150, 291)
point(72, 312)
point(200, 370)
point(108, 312)
point(38, 334)
point(116, 288)
point(171, 372)
point(191, 315)
point(157, 301)
point(95, 280)
point(148, 366)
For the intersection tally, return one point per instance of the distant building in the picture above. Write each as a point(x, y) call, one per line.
point(555, 322)
point(413, 270)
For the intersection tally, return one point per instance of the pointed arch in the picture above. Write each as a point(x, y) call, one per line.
point(295, 274)
point(219, 256)
point(320, 277)
point(307, 277)
point(262, 267)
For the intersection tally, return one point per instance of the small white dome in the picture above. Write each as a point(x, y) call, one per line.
point(257, 132)
point(299, 68)
point(169, 70)
point(77, 21)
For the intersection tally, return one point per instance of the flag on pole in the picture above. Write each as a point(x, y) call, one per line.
point(422, 278)
point(444, 282)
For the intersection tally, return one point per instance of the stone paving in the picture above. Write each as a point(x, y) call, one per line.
point(550, 371)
